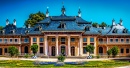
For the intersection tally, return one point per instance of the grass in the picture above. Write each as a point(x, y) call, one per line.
point(90, 64)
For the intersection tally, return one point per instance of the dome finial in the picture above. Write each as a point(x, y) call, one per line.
point(79, 12)
point(47, 12)
point(63, 9)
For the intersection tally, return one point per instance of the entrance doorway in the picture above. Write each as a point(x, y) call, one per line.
point(0, 51)
point(63, 50)
point(25, 49)
point(72, 51)
point(100, 50)
point(53, 51)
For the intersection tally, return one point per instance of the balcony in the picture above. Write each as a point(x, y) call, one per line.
point(101, 42)
point(12, 42)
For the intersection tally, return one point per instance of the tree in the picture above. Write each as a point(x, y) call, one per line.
point(95, 24)
point(90, 48)
point(109, 52)
point(115, 51)
point(103, 24)
point(13, 51)
point(34, 48)
point(1, 27)
point(34, 18)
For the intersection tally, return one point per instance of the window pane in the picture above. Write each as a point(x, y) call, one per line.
point(72, 39)
point(122, 40)
point(11, 40)
point(116, 40)
point(34, 39)
point(127, 50)
point(111, 40)
point(5, 40)
point(62, 39)
point(84, 39)
point(0, 40)
point(41, 49)
point(91, 39)
point(127, 40)
point(53, 39)
point(16, 40)
point(41, 39)
point(26, 40)
point(122, 50)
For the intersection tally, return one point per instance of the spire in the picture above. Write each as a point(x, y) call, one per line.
point(7, 22)
point(47, 12)
point(113, 22)
point(79, 12)
point(14, 23)
point(121, 22)
point(63, 9)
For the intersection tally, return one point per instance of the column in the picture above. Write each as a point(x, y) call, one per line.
point(20, 49)
point(69, 46)
point(45, 46)
point(81, 46)
point(95, 45)
point(56, 45)
point(107, 41)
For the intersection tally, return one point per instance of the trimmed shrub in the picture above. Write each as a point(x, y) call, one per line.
point(61, 58)
point(98, 56)
point(26, 55)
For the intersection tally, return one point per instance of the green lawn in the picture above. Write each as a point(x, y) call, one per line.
point(90, 64)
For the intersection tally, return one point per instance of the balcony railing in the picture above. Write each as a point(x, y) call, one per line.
point(113, 42)
point(12, 42)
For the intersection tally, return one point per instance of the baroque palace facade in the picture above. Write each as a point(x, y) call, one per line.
point(67, 35)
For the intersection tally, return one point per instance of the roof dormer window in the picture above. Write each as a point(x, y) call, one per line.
point(125, 30)
point(39, 28)
point(27, 31)
point(87, 28)
point(114, 31)
point(62, 25)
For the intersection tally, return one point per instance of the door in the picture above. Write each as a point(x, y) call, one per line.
point(25, 49)
point(73, 51)
point(0, 51)
point(63, 50)
point(53, 50)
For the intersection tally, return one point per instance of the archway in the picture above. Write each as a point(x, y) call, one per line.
point(63, 50)
point(72, 51)
point(25, 49)
point(100, 50)
point(53, 50)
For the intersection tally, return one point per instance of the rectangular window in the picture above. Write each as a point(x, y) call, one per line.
point(84, 50)
point(92, 44)
point(84, 39)
point(16, 40)
point(41, 49)
point(116, 40)
point(5, 40)
point(62, 39)
point(122, 40)
point(111, 40)
point(53, 39)
point(34, 39)
point(72, 39)
point(41, 39)
point(127, 50)
point(0, 40)
point(26, 40)
point(122, 50)
point(91, 39)
point(5, 50)
point(127, 40)
point(11, 40)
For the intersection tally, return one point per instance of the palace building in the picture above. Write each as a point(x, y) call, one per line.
point(67, 35)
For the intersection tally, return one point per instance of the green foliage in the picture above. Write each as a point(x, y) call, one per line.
point(26, 55)
point(95, 24)
point(98, 56)
point(90, 48)
point(109, 52)
point(103, 24)
point(34, 18)
point(13, 51)
point(1, 27)
point(34, 48)
point(61, 58)
point(115, 51)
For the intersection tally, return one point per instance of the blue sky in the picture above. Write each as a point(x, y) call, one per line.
point(95, 10)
